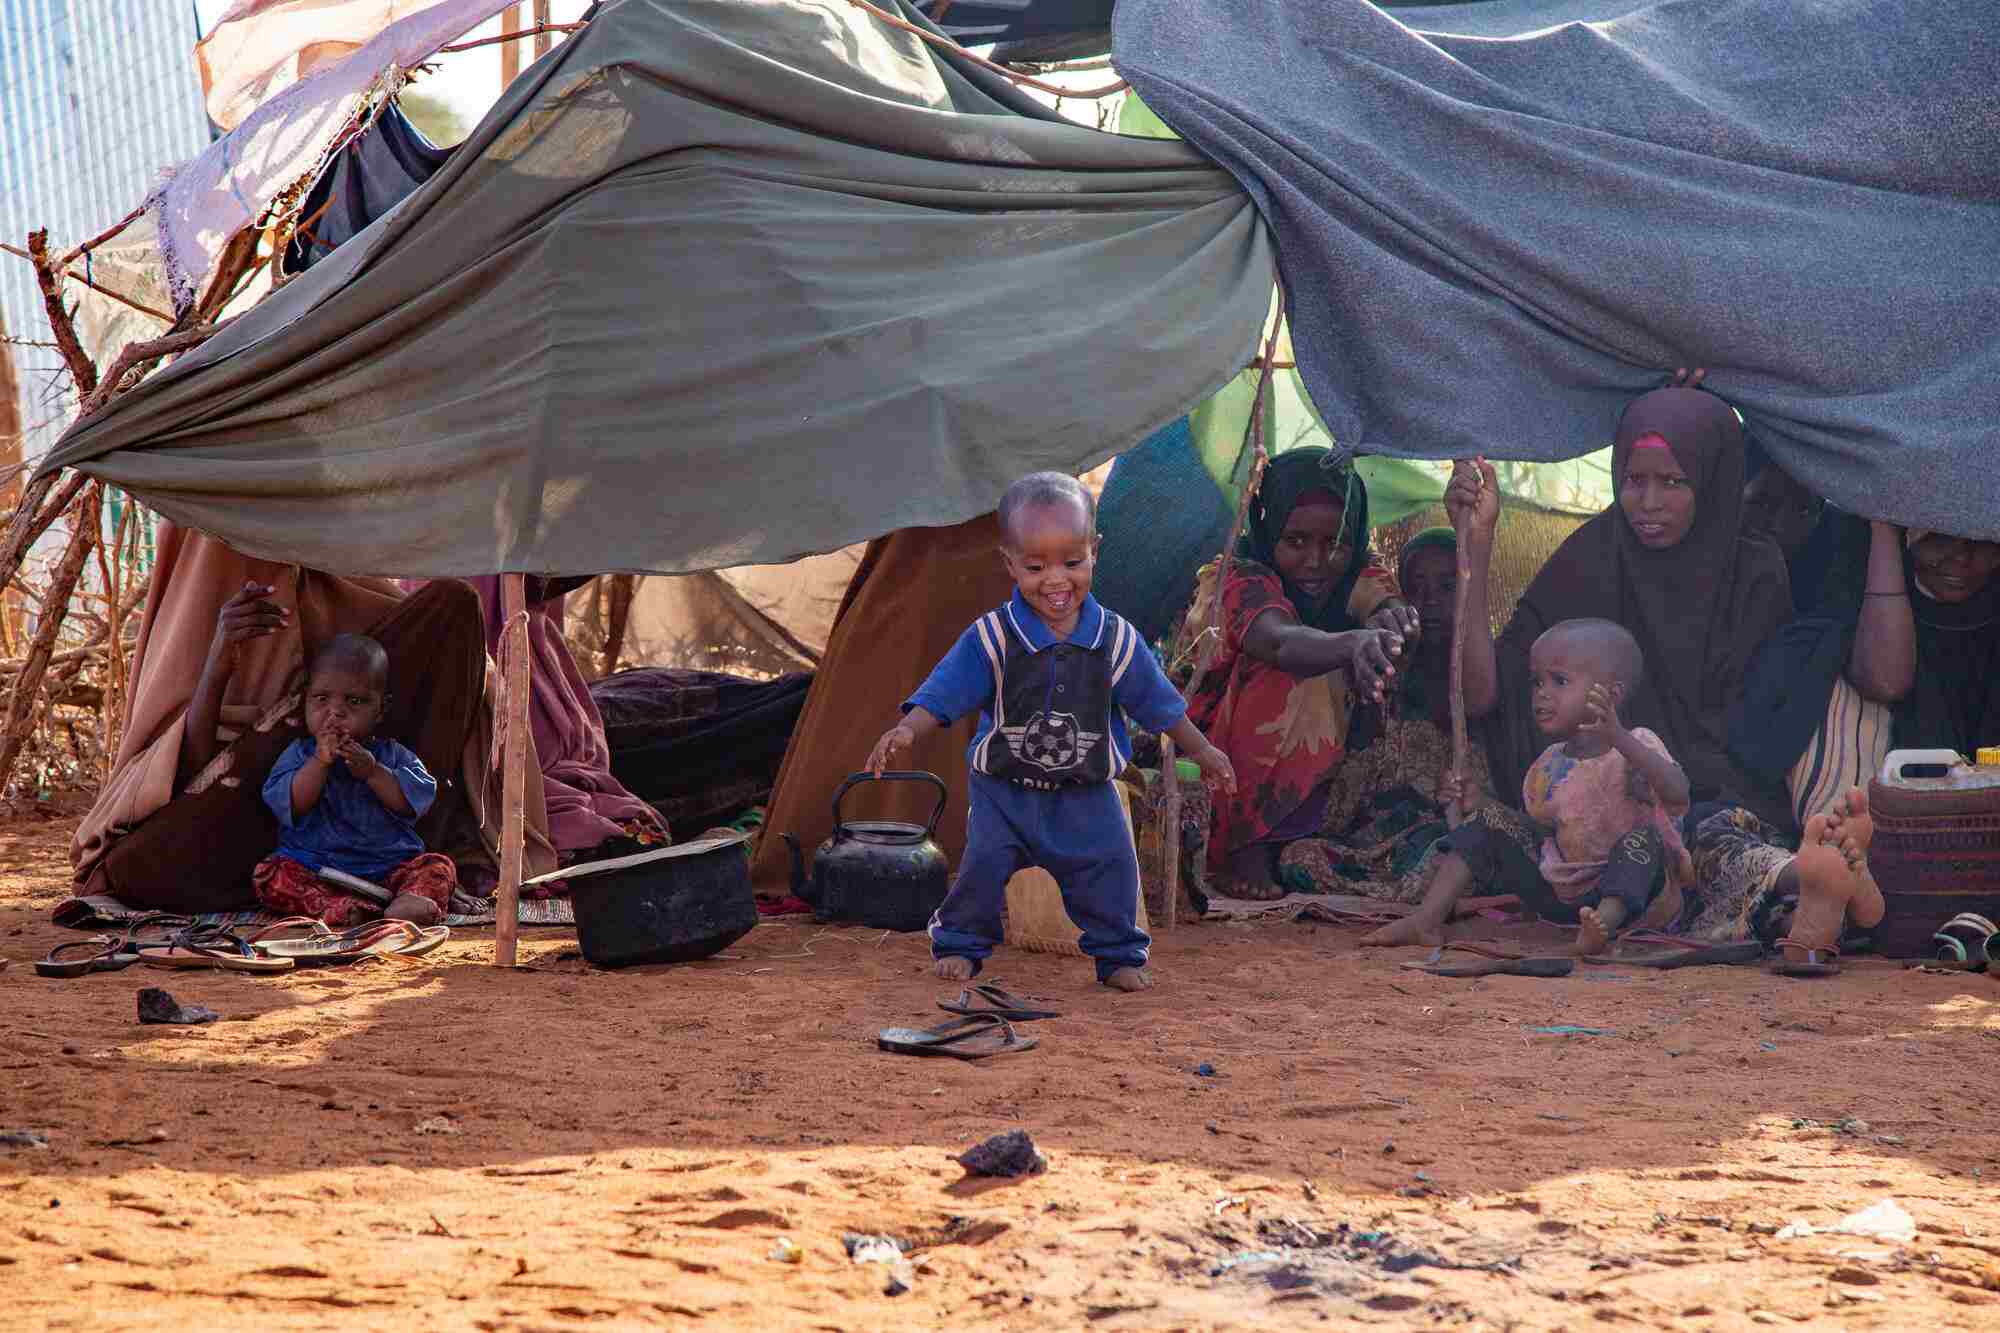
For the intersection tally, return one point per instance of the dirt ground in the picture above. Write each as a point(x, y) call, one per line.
point(439, 1144)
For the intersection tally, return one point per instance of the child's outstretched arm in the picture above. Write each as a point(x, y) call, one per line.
point(898, 740)
point(249, 615)
point(1214, 763)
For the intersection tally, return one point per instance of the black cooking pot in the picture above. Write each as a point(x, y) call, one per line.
point(876, 872)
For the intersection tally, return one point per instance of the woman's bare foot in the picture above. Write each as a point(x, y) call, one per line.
point(1830, 889)
point(1130, 979)
point(954, 968)
point(1416, 928)
point(413, 908)
point(1850, 826)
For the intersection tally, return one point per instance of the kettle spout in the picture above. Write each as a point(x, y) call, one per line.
point(800, 884)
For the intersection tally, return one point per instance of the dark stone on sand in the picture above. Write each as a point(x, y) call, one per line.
point(156, 1006)
point(1204, 1070)
point(1009, 1154)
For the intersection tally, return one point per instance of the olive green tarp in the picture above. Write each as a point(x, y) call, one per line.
point(717, 282)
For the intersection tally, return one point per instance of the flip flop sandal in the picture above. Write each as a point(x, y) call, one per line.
point(991, 998)
point(277, 939)
point(332, 948)
point(1818, 961)
point(106, 955)
point(1494, 962)
point(1714, 955)
point(428, 938)
point(1969, 949)
point(216, 949)
point(970, 1038)
point(1499, 967)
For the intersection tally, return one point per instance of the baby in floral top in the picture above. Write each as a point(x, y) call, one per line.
point(1607, 798)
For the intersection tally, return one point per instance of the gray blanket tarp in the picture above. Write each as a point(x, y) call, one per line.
point(1490, 245)
point(718, 282)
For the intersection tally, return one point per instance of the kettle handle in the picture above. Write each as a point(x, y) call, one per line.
point(900, 775)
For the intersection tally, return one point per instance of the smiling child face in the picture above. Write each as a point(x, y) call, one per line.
point(1051, 554)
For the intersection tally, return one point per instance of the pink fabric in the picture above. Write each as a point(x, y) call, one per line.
point(586, 804)
point(1591, 805)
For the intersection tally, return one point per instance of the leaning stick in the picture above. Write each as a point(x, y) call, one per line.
point(81, 368)
point(74, 276)
point(513, 767)
point(1461, 524)
point(32, 518)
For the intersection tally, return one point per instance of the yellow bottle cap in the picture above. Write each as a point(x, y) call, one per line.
point(1989, 756)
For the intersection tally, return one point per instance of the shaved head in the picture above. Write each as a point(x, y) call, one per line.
point(1606, 645)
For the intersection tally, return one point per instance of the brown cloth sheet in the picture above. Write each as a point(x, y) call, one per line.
point(443, 689)
point(914, 593)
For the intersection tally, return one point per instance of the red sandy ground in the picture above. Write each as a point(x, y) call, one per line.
point(625, 1149)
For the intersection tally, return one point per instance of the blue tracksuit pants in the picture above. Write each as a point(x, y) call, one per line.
point(1079, 836)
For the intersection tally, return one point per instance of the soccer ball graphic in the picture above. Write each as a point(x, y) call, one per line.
point(1050, 740)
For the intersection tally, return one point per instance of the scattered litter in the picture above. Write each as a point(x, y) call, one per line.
point(887, 1251)
point(1009, 1154)
point(1767, 1045)
point(1568, 1030)
point(156, 1006)
point(155, 1135)
point(1204, 1070)
point(24, 1138)
point(1885, 1220)
point(1228, 1201)
point(1246, 1257)
point(786, 1251)
point(437, 1124)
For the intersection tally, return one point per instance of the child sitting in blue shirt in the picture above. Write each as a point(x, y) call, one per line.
point(1051, 674)
point(349, 800)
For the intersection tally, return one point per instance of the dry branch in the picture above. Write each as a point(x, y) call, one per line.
point(74, 276)
point(30, 521)
point(120, 225)
point(73, 355)
point(55, 602)
point(537, 31)
point(139, 356)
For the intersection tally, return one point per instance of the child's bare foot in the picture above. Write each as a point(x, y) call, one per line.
point(1595, 936)
point(1416, 928)
point(954, 968)
point(413, 908)
point(1130, 979)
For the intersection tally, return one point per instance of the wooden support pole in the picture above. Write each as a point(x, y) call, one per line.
point(510, 52)
point(542, 39)
point(513, 766)
point(55, 607)
point(1460, 745)
point(1170, 835)
point(617, 617)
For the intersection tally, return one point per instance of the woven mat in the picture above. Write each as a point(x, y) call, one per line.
point(98, 910)
point(1339, 909)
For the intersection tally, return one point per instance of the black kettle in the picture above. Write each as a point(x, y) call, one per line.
point(876, 872)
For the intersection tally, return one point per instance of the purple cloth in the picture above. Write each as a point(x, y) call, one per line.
point(586, 804)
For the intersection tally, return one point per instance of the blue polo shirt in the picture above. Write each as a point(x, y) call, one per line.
point(349, 828)
point(1043, 702)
